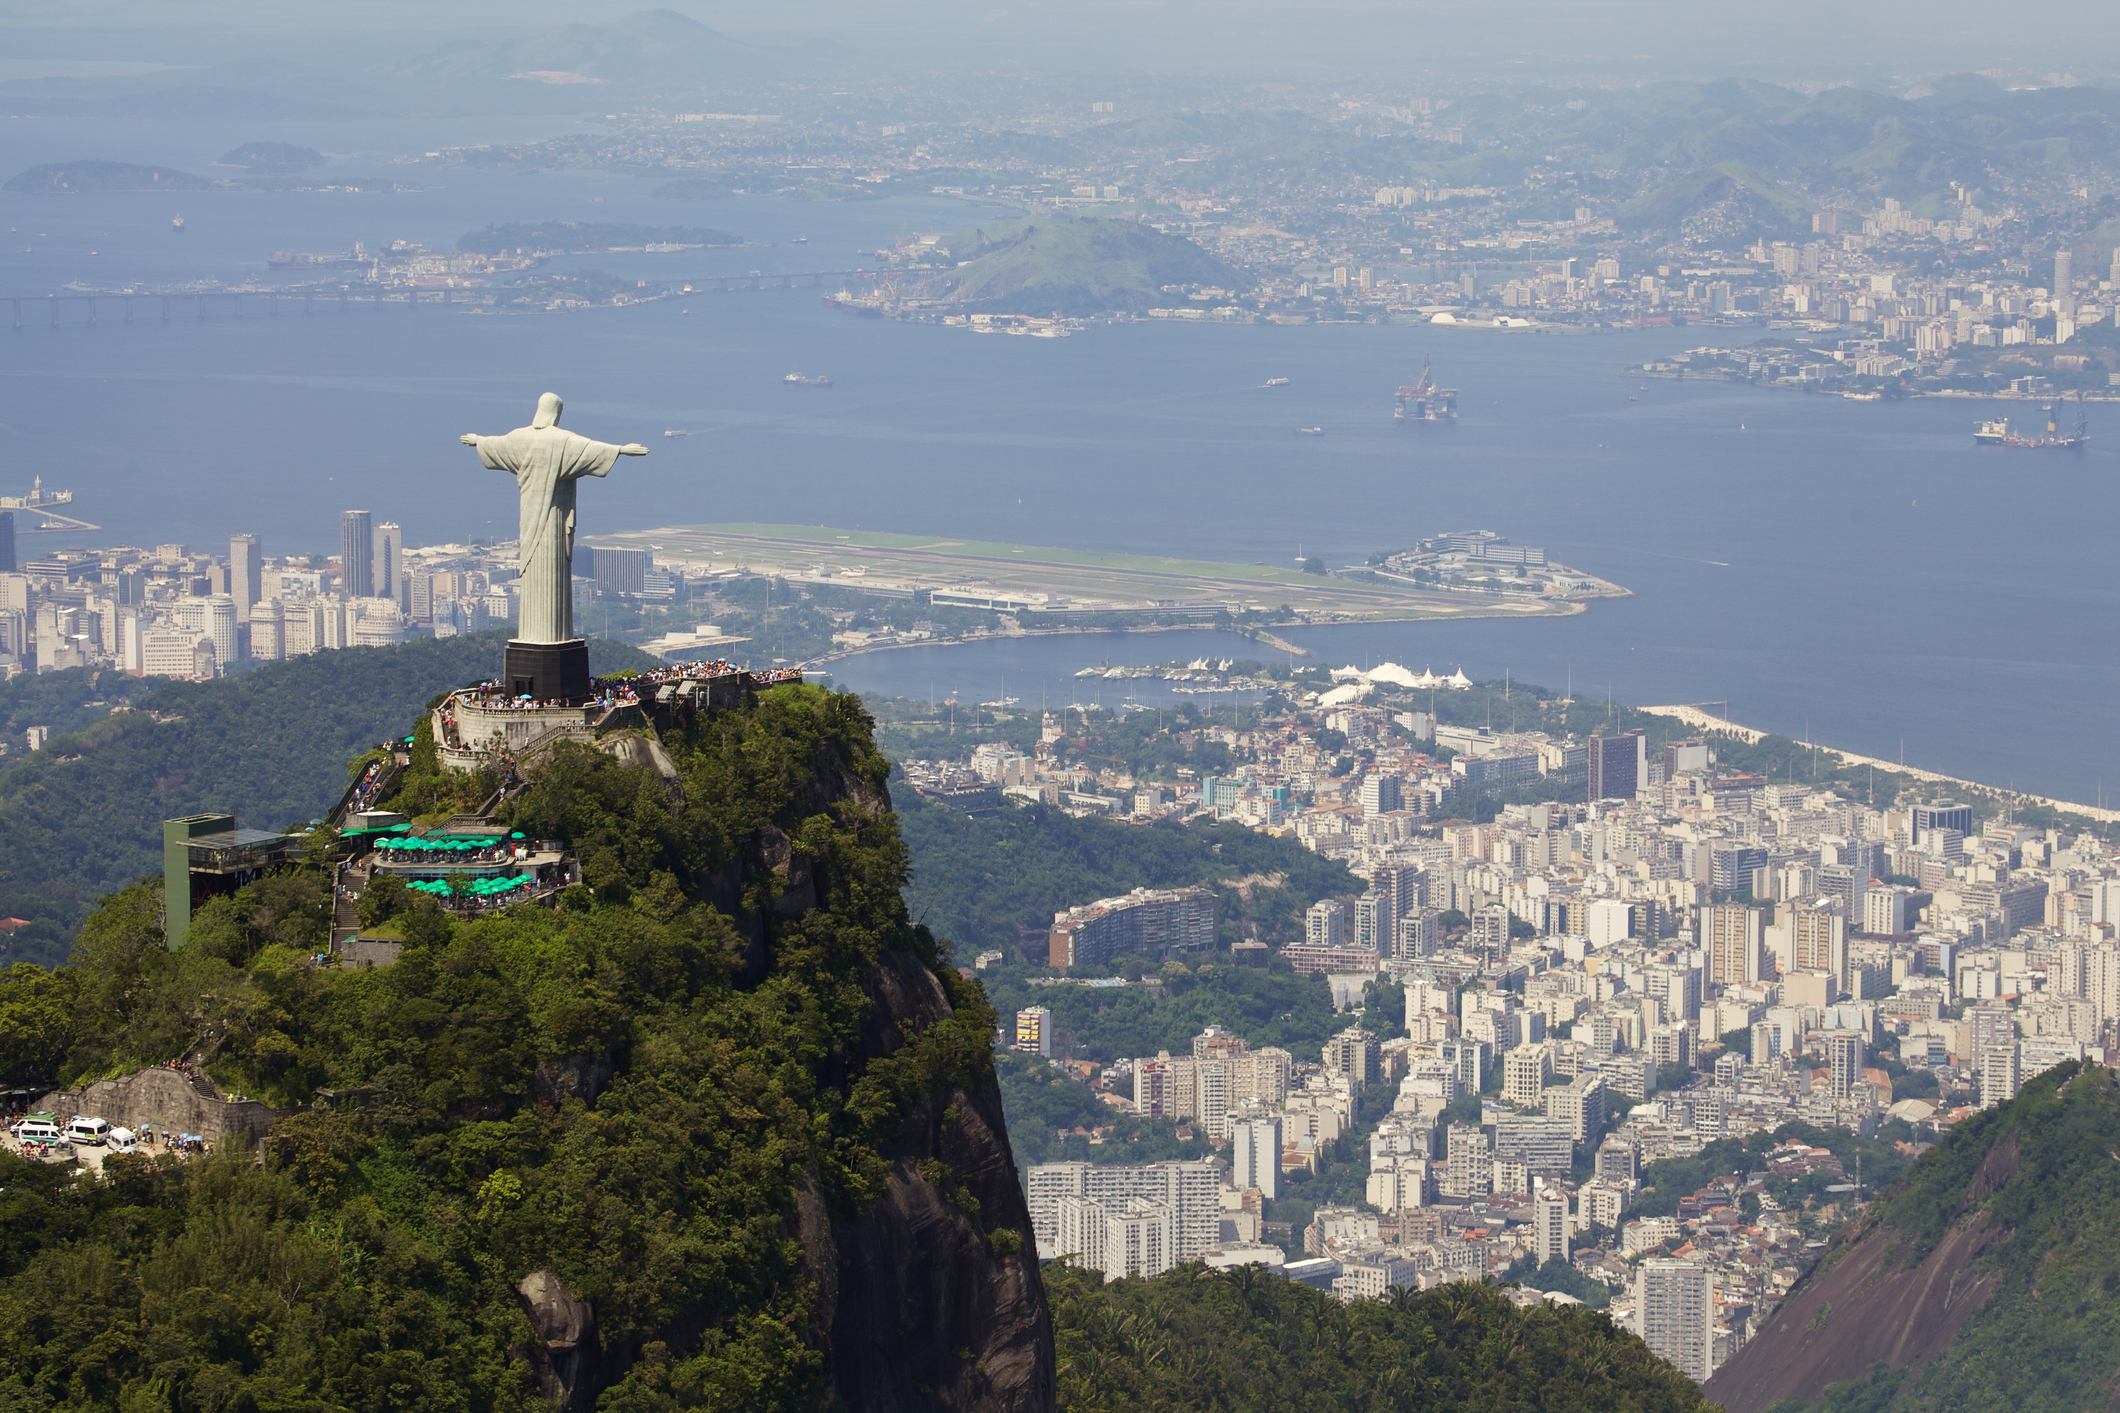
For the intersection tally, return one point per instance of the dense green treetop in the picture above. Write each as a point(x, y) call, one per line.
point(369, 1261)
point(978, 881)
point(1248, 1341)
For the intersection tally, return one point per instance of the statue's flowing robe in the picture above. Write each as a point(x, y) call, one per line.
point(546, 462)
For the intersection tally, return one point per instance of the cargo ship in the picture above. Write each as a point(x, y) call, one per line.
point(1999, 432)
point(848, 304)
point(1422, 401)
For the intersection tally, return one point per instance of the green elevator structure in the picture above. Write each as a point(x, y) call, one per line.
point(205, 856)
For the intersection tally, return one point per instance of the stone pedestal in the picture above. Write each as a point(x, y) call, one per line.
point(547, 671)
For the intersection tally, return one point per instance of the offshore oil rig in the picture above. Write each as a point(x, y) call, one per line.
point(2000, 433)
point(1422, 401)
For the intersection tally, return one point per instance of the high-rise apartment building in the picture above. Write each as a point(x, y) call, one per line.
point(1674, 1304)
point(1192, 1189)
point(389, 567)
point(1999, 1074)
point(1941, 814)
point(1212, 1084)
point(356, 555)
point(1401, 889)
point(1526, 1071)
point(1255, 1154)
point(1034, 1030)
point(219, 623)
point(1325, 925)
point(1844, 1058)
point(1149, 922)
point(268, 636)
point(1582, 1103)
point(7, 542)
point(1129, 1237)
point(1731, 936)
point(1818, 937)
point(1152, 1096)
point(1419, 933)
point(246, 574)
point(1617, 764)
point(1354, 1053)
point(1549, 1225)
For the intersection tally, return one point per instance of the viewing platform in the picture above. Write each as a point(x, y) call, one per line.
point(479, 723)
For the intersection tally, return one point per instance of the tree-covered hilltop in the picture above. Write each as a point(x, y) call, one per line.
point(266, 157)
point(84, 815)
point(1248, 1341)
point(74, 178)
point(982, 881)
point(1084, 265)
point(713, 1093)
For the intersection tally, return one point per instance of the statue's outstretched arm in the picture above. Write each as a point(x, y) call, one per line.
point(469, 439)
point(632, 449)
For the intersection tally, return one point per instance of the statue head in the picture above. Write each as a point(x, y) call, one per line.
point(548, 407)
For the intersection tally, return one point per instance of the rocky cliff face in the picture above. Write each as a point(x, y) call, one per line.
point(929, 1295)
point(928, 1299)
point(924, 1310)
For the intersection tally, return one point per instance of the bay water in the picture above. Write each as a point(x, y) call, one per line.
point(1860, 572)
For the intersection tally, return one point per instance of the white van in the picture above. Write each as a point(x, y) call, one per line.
point(124, 1140)
point(94, 1132)
point(38, 1128)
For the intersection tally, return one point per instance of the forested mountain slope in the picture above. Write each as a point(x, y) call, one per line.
point(1985, 1278)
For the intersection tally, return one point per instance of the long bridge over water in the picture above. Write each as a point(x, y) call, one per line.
point(166, 306)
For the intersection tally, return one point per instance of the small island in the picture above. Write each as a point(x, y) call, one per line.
point(74, 178)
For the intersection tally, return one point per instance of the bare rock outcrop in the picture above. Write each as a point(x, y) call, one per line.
point(170, 1100)
point(1863, 1306)
point(565, 1355)
point(934, 1299)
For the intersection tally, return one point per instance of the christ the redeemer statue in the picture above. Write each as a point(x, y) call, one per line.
point(545, 660)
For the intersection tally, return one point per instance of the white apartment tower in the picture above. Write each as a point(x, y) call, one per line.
point(1999, 1074)
point(1732, 935)
point(1674, 1304)
point(1255, 1154)
point(1549, 1225)
point(1325, 925)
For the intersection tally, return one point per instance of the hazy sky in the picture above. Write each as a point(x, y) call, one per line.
point(1793, 40)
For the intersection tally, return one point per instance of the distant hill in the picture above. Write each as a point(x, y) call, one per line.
point(586, 235)
point(1080, 265)
point(650, 47)
point(1986, 1278)
point(1749, 203)
point(86, 176)
point(691, 189)
point(273, 157)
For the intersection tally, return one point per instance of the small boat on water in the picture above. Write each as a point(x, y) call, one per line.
point(176, 223)
point(1311, 431)
point(798, 380)
point(1276, 382)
